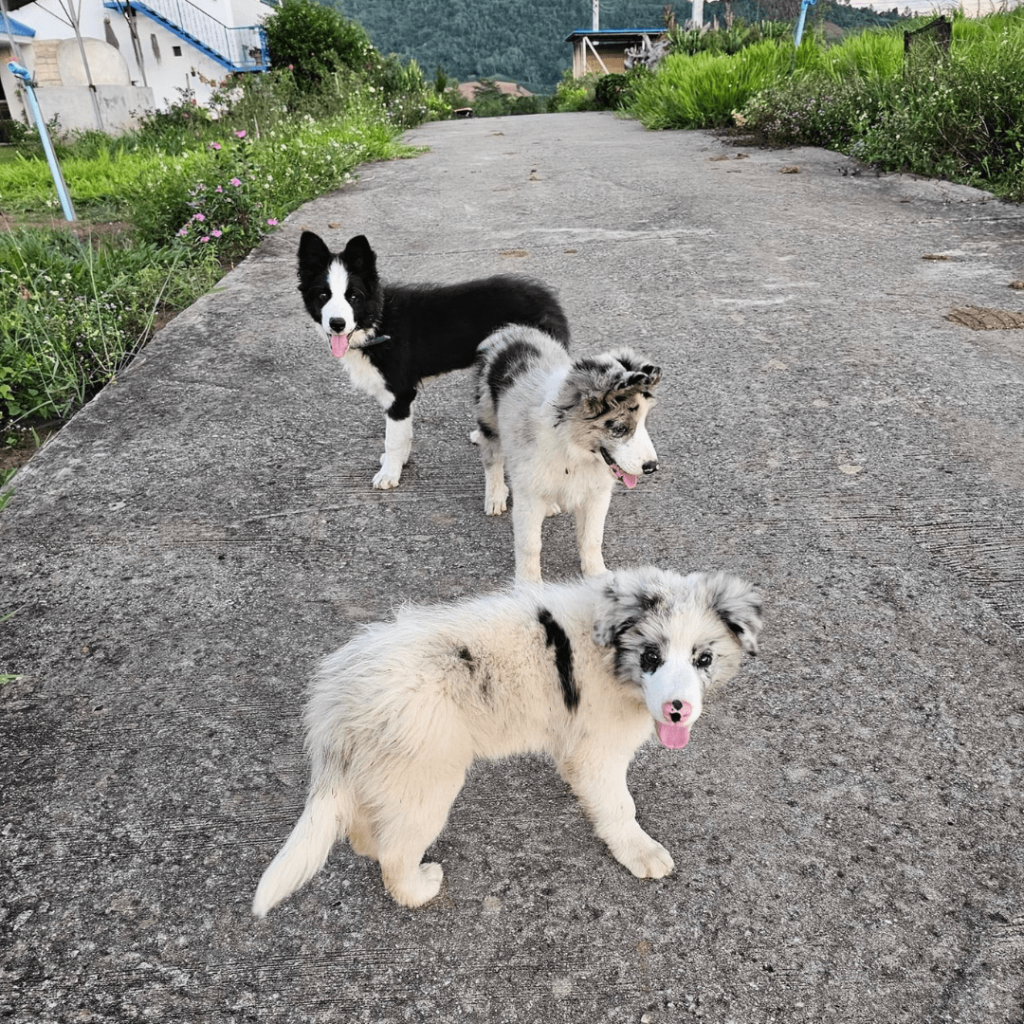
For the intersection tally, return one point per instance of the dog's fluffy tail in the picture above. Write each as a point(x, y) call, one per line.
point(324, 819)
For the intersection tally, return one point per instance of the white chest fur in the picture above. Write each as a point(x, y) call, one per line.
point(365, 376)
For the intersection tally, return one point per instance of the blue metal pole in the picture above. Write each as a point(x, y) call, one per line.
point(44, 136)
point(800, 23)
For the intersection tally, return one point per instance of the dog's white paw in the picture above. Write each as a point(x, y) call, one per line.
point(645, 857)
point(496, 503)
point(387, 477)
point(418, 887)
point(554, 509)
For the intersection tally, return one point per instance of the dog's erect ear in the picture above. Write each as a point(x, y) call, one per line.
point(623, 599)
point(313, 256)
point(598, 384)
point(639, 373)
point(358, 256)
point(738, 605)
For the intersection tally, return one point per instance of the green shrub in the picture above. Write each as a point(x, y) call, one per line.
point(955, 115)
point(313, 40)
point(574, 94)
point(617, 92)
point(705, 90)
point(12, 132)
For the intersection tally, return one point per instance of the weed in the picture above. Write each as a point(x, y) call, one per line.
point(6, 493)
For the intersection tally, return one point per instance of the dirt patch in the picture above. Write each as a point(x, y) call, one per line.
point(82, 229)
point(980, 319)
point(15, 456)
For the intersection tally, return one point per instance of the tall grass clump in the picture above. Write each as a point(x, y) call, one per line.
point(704, 90)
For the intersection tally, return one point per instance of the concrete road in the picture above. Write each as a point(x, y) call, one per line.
point(846, 820)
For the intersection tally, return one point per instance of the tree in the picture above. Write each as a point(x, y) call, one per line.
point(314, 40)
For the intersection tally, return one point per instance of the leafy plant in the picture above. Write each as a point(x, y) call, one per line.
point(314, 40)
point(705, 90)
point(574, 94)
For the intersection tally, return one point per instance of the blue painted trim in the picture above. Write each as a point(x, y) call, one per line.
point(16, 28)
point(579, 32)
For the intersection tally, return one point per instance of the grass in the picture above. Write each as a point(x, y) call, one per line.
point(73, 313)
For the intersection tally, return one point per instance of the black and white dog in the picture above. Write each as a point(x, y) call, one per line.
point(392, 338)
point(584, 672)
point(566, 430)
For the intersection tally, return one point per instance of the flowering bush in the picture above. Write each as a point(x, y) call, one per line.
point(229, 214)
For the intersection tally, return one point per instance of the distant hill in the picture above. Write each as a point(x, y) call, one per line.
point(524, 40)
point(520, 40)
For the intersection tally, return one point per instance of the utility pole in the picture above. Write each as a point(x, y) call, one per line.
point(596, 27)
point(697, 16)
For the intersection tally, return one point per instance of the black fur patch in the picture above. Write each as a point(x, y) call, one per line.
point(508, 364)
point(401, 407)
point(486, 430)
point(556, 638)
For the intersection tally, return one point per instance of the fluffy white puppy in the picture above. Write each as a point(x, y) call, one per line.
point(584, 673)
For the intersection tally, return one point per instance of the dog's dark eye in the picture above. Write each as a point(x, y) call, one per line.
point(617, 429)
point(650, 659)
point(703, 659)
point(323, 296)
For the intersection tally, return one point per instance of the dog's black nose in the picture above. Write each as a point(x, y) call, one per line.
point(338, 326)
point(650, 467)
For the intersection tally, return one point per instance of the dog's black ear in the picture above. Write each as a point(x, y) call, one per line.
point(738, 605)
point(313, 256)
point(358, 256)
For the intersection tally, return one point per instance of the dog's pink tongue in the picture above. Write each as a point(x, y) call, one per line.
point(339, 345)
point(675, 737)
point(671, 734)
point(629, 480)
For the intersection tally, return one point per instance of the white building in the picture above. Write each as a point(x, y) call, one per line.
point(127, 56)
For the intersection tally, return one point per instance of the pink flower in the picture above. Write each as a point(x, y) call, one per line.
point(216, 232)
point(205, 238)
point(241, 135)
point(219, 189)
point(235, 182)
point(214, 145)
point(272, 221)
point(183, 232)
point(199, 216)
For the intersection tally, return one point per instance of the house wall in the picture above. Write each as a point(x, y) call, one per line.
point(168, 70)
point(585, 63)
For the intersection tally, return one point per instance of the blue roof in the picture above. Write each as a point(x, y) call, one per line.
point(16, 28)
point(618, 32)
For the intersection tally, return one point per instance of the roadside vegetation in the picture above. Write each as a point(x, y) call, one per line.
point(957, 115)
